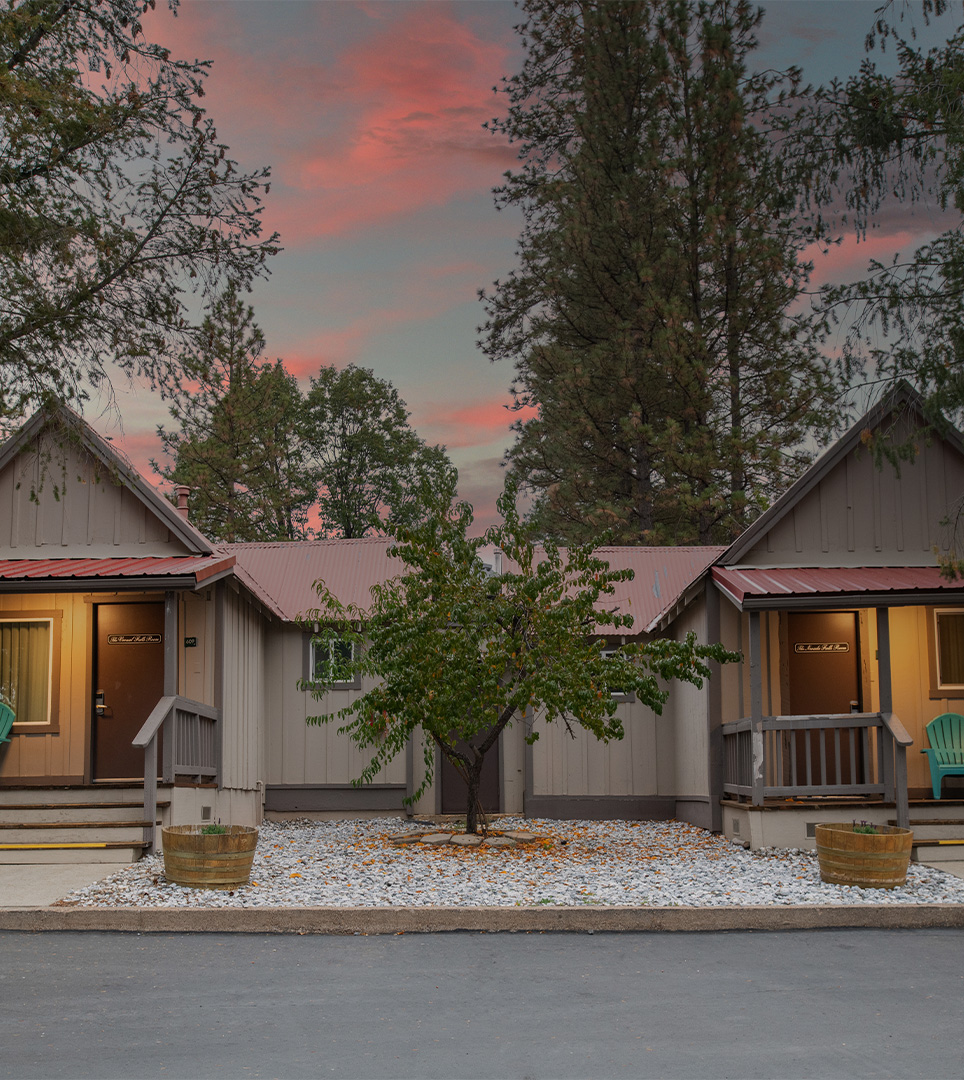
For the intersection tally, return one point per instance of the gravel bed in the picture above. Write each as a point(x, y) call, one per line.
point(575, 863)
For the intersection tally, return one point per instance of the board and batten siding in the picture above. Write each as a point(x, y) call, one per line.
point(196, 663)
point(862, 515)
point(61, 752)
point(686, 748)
point(93, 515)
point(243, 706)
point(300, 754)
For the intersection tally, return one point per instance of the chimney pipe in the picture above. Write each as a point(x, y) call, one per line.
point(182, 491)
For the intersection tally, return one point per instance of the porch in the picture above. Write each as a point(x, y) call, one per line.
point(784, 774)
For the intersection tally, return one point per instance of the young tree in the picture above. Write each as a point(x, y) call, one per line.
point(461, 654)
point(367, 460)
point(649, 317)
point(237, 445)
point(115, 194)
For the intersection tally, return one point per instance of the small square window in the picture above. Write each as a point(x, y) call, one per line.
point(329, 663)
point(619, 695)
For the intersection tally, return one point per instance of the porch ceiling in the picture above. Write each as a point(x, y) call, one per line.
point(764, 588)
point(179, 571)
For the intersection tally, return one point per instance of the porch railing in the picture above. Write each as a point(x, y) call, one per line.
point(191, 732)
point(780, 757)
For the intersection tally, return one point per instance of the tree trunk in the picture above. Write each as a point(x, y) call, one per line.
point(473, 777)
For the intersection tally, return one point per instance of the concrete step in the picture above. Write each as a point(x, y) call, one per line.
point(31, 854)
point(72, 832)
point(937, 830)
point(20, 796)
point(65, 812)
point(950, 850)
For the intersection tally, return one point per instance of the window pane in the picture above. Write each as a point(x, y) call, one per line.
point(950, 648)
point(25, 670)
point(331, 661)
point(341, 654)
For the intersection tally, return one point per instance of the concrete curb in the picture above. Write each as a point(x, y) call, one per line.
point(425, 920)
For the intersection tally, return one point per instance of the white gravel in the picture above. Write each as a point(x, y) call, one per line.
point(354, 864)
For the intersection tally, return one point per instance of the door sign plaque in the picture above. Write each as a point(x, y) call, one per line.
point(821, 647)
point(134, 639)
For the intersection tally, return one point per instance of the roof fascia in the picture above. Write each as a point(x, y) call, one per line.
point(193, 539)
point(810, 602)
point(902, 394)
point(99, 585)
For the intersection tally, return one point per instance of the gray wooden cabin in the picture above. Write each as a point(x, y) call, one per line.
point(852, 643)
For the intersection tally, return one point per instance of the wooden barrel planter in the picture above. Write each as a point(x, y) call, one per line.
point(208, 860)
point(871, 860)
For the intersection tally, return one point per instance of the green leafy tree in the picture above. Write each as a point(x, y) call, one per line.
point(368, 462)
point(659, 259)
point(237, 442)
point(461, 655)
point(115, 195)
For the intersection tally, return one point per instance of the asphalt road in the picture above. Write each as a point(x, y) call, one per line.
point(826, 1003)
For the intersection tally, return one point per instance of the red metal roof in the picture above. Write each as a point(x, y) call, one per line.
point(282, 575)
point(198, 567)
point(762, 587)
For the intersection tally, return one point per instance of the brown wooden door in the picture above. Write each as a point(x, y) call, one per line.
point(824, 663)
point(455, 793)
point(824, 677)
point(128, 683)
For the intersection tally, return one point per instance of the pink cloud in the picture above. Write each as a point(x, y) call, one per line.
point(847, 261)
point(474, 425)
point(420, 295)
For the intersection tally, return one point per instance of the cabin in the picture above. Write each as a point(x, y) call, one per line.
point(159, 678)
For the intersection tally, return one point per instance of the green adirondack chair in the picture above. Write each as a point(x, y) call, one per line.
point(945, 733)
point(7, 717)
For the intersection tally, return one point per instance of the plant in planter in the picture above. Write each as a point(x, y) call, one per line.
point(870, 856)
point(211, 856)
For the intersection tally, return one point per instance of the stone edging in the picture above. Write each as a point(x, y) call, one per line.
point(542, 919)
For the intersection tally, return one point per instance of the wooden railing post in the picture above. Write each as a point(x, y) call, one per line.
point(150, 794)
point(758, 774)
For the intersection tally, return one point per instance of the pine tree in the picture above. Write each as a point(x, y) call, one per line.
point(660, 256)
point(237, 444)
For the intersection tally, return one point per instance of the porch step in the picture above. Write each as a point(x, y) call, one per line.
point(72, 832)
point(74, 824)
point(120, 852)
point(28, 813)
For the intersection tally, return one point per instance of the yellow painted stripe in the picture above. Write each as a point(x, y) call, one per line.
point(948, 841)
point(38, 847)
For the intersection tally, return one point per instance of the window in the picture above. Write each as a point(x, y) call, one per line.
point(328, 663)
point(27, 653)
point(619, 695)
point(947, 632)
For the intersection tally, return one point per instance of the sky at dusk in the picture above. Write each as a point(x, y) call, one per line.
point(370, 116)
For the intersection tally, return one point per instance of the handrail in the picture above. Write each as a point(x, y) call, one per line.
point(753, 749)
point(153, 723)
point(897, 729)
point(146, 739)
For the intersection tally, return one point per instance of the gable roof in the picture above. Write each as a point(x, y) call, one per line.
point(282, 574)
point(902, 397)
point(113, 462)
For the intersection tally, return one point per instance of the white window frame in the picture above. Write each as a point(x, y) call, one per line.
point(315, 644)
point(940, 685)
point(617, 695)
point(53, 624)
